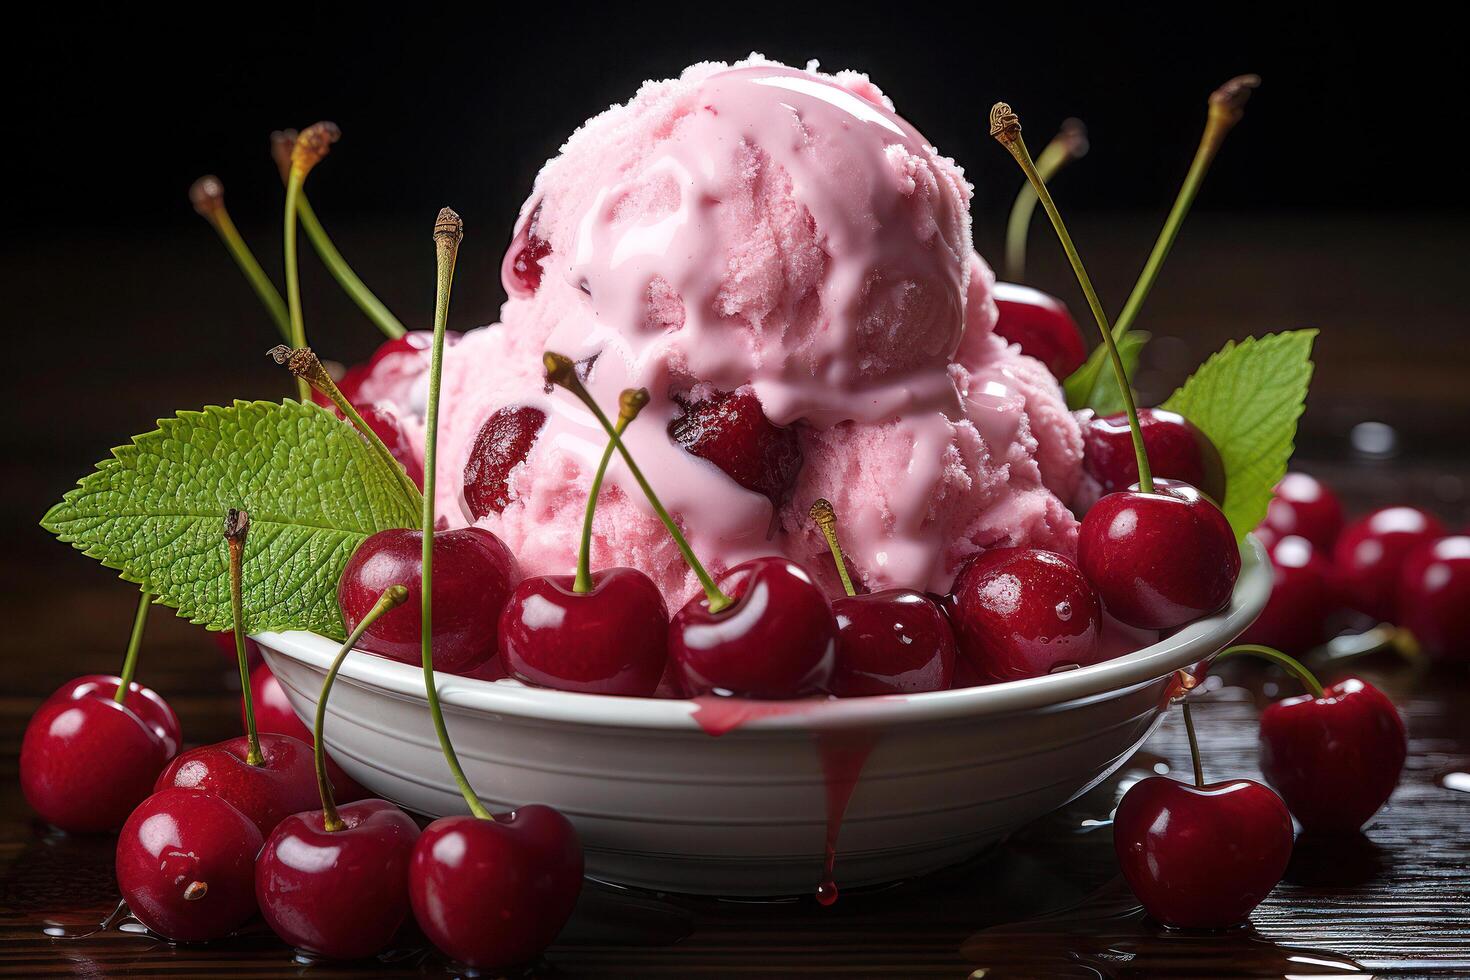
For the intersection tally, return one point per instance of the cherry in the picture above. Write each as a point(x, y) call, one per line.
point(225, 642)
point(501, 445)
point(1304, 506)
point(476, 574)
point(774, 637)
point(273, 713)
point(1176, 451)
point(1042, 326)
point(147, 704)
point(185, 865)
point(1159, 560)
point(1334, 756)
point(395, 437)
point(494, 893)
point(522, 270)
point(730, 429)
point(1434, 597)
point(1201, 857)
point(1021, 612)
point(280, 785)
point(1295, 617)
point(1370, 555)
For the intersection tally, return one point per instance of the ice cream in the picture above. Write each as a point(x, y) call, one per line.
point(755, 224)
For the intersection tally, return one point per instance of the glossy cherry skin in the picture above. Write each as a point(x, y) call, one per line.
point(1201, 857)
point(493, 894)
point(285, 783)
point(388, 428)
point(1159, 560)
point(144, 702)
point(1370, 554)
point(502, 444)
point(178, 838)
point(730, 429)
point(273, 713)
point(1334, 759)
point(612, 639)
point(1176, 451)
point(1305, 506)
point(86, 762)
point(474, 573)
point(893, 642)
point(1434, 597)
point(777, 640)
point(343, 893)
point(1042, 325)
point(1302, 597)
point(1023, 612)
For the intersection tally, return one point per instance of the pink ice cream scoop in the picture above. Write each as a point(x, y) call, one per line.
point(785, 264)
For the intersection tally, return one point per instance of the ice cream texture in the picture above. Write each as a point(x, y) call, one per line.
point(756, 224)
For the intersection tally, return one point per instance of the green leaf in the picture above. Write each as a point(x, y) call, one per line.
point(1247, 399)
point(1106, 398)
point(314, 489)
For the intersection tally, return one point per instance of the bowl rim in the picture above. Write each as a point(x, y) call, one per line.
point(1187, 646)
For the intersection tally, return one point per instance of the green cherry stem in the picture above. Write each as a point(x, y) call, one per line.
point(208, 197)
point(1290, 664)
point(311, 146)
point(448, 232)
point(306, 366)
point(1070, 143)
point(392, 597)
point(1005, 126)
point(237, 528)
point(826, 520)
point(373, 308)
point(135, 641)
point(1199, 770)
point(629, 405)
point(561, 371)
point(1227, 106)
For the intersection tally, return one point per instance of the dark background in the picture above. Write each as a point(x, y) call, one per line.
point(1337, 203)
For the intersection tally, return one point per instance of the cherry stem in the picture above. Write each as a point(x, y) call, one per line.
point(392, 597)
point(1005, 126)
point(237, 528)
point(208, 197)
point(1199, 772)
point(306, 153)
point(305, 365)
point(1070, 143)
point(135, 641)
point(561, 371)
point(1290, 664)
point(448, 232)
point(1226, 107)
point(629, 405)
point(826, 519)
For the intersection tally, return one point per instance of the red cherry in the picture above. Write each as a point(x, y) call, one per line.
point(142, 701)
point(85, 762)
point(273, 713)
point(729, 429)
point(413, 347)
point(1041, 325)
point(1021, 612)
point(225, 643)
point(494, 893)
point(1201, 857)
point(1176, 451)
point(777, 640)
point(389, 429)
point(1159, 560)
point(1304, 506)
point(1370, 555)
point(502, 444)
point(892, 642)
point(283, 784)
point(523, 270)
point(1335, 759)
point(341, 893)
point(1434, 597)
point(186, 865)
point(610, 640)
point(1295, 617)
point(473, 575)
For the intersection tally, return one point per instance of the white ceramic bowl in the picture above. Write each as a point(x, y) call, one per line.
point(660, 804)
